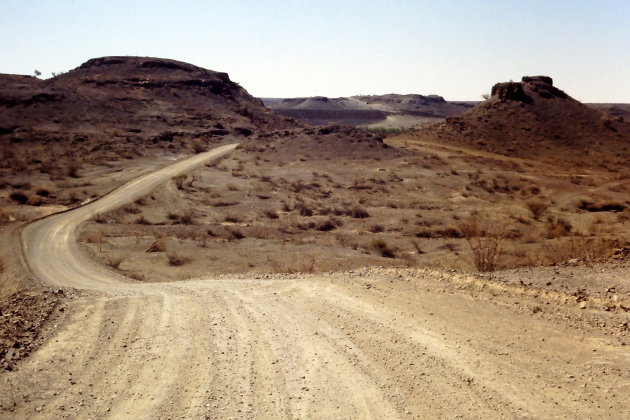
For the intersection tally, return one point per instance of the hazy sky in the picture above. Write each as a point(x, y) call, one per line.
point(457, 49)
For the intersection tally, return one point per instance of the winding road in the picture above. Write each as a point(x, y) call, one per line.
point(371, 343)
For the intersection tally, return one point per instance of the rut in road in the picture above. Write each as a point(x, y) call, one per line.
point(351, 345)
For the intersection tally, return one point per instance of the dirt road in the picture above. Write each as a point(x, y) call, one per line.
point(373, 343)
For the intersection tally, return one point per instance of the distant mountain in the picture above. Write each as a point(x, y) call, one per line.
point(425, 106)
point(367, 110)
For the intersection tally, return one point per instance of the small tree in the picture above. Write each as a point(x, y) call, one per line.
point(37, 73)
point(485, 238)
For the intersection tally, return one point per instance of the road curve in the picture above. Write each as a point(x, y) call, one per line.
point(49, 245)
point(370, 343)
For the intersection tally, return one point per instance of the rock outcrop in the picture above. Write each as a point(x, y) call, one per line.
point(535, 119)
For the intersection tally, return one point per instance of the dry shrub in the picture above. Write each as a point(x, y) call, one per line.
point(304, 264)
point(188, 218)
point(383, 249)
point(440, 232)
point(609, 205)
point(485, 238)
point(131, 209)
point(270, 214)
point(137, 276)
point(329, 224)
point(73, 170)
point(4, 216)
point(114, 261)
point(198, 146)
point(587, 250)
point(99, 218)
point(358, 213)
point(224, 203)
point(19, 197)
point(558, 227)
point(179, 181)
point(142, 221)
point(376, 228)
point(261, 232)
point(232, 218)
point(416, 245)
point(92, 237)
point(160, 245)
point(304, 210)
point(35, 200)
point(176, 260)
point(536, 207)
point(235, 233)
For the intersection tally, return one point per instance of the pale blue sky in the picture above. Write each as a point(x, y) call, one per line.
point(453, 48)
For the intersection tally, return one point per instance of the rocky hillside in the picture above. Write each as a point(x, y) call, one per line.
point(133, 98)
point(534, 119)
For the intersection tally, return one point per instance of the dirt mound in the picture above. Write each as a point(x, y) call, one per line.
point(328, 142)
point(534, 119)
point(131, 97)
point(23, 316)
